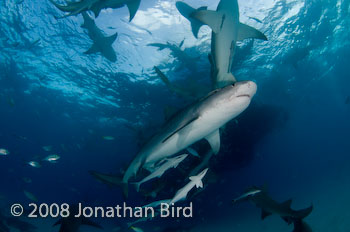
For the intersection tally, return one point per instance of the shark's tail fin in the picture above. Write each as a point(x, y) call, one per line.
point(186, 11)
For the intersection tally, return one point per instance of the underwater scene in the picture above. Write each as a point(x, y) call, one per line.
point(175, 115)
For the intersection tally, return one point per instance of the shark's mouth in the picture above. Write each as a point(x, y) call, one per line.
point(244, 95)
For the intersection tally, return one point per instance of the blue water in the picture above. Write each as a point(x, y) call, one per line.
point(294, 136)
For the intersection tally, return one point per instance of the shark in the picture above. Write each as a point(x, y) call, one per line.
point(157, 173)
point(200, 120)
point(260, 197)
point(195, 181)
point(226, 31)
point(101, 43)
point(75, 8)
point(72, 223)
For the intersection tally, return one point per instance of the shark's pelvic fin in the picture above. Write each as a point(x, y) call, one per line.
point(211, 18)
point(133, 7)
point(246, 32)
point(214, 141)
point(265, 214)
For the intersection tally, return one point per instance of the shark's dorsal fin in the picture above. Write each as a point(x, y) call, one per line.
point(88, 222)
point(264, 214)
point(287, 204)
point(246, 32)
point(110, 39)
point(214, 141)
point(93, 49)
point(133, 7)
point(58, 222)
point(211, 18)
point(182, 126)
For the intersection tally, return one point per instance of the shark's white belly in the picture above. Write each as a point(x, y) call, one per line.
point(224, 45)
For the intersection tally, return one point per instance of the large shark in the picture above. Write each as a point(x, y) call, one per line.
point(101, 43)
point(202, 119)
point(72, 223)
point(261, 199)
point(75, 8)
point(226, 31)
point(157, 173)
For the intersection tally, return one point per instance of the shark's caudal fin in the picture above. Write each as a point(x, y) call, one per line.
point(111, 180)
point(246, 32)
point(186, 11)
point(133, 6)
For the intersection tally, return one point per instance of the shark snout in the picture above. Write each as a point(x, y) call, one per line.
point(247, 89)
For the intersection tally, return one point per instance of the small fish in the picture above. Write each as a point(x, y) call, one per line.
point(34, 164)
point(30, 196)
point(47, 148)
point(193, 152)
point(4, 151)
point(110, 138)
point(52, 158)
point(136, 229)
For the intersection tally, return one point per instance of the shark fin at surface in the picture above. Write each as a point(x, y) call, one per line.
point(133, 6)
point(246, 32)
point(211, 18)
point(264, 214)
point(214, 141)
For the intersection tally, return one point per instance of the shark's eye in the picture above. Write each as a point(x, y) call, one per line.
point(233, 84)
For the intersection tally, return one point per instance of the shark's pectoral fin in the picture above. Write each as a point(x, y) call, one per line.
point(214, 141)
point(93, 49)
point(58, 222)
point(265, 214)
point(288, 220)
point(133, 7)
point(110, 39)
point(211, 18)
point(181, 126)
point(246, 32)
point(90, 223)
